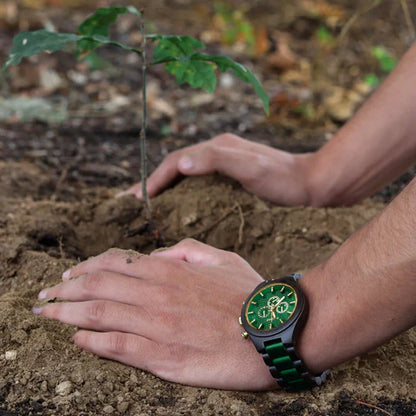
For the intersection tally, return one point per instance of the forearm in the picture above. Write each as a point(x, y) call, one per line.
point(374, 147)
point(365, 294)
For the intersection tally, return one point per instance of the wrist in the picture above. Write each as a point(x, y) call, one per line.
point(314, 180)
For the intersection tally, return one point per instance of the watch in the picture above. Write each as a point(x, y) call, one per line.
point(272, 317)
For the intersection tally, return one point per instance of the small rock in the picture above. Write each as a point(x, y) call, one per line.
point(64, 388)
point(44, 386)
point(108, 410)
point(122, 407)
point(10, 355)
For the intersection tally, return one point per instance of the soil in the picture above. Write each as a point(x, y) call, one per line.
point(42, 372)
point(57, 206)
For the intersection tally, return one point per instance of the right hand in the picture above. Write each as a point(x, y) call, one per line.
point(269, 173)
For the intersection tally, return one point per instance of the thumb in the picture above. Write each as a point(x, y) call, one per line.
point(239, 164)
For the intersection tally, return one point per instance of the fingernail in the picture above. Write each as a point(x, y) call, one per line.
point(66, 274)
point(36, 310)
point(186, 163)
point(43, 294)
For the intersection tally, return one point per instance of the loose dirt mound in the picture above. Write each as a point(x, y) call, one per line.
point(42, 372)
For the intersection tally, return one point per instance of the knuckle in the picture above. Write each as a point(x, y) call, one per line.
point(117, 343)
point(189, 242)
point(233, 257)
point(259, 166)
point(91, 283)
point(225, 139)
point(112, 252)
point(96, 311)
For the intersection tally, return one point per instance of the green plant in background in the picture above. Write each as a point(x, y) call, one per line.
point(180, 54)
point(236, 25)
point(386, 62)
point(324, 36)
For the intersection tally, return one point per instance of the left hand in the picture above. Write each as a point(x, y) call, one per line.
point(173, 313)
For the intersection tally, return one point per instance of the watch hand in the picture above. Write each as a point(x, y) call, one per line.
point(278, 303)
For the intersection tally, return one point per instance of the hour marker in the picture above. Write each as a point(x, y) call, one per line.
point(254, 303)
point(261, 294)
point(280, 321)
point(249, 313)
point(272, 289)
point(291, 293)
point(293, 301)
point(252, 321)
point(260, 326)
point(270, 326)
point(282, 289)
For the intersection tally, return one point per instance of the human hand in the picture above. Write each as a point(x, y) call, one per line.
point(272, 174)
point(173, 313)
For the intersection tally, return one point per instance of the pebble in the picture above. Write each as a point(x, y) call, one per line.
point(10, 355)
point(122, 407)
point(108, 410)
point(64, 388)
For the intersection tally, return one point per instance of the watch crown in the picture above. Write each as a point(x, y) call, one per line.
point(244, 335)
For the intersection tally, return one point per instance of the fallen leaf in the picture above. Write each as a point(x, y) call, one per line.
point(283, 58)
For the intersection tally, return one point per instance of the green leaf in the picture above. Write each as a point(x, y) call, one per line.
point(386, 61)
point(224, 63)
point(198, 69)
point(26, 44)
point(176, 52)
point(169, 46)
point(372, 80)
point(99, 25)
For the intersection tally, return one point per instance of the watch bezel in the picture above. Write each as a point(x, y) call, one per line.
point(293, 319)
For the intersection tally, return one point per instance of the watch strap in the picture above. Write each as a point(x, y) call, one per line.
point(288, 369)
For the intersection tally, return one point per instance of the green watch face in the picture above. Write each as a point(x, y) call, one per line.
point(271, 306)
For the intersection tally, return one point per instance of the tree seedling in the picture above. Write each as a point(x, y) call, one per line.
point(180, 54)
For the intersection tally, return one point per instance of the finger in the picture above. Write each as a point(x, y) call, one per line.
point(128, 262)
point(193, 251)
point(167, 172)
point(127, 348)
point(100, 315)
point(100, 284)
point(135, 190)
point(240, 164)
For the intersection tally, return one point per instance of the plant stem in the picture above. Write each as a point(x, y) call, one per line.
point(143, 153)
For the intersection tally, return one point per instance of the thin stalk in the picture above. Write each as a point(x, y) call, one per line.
point(143, 153)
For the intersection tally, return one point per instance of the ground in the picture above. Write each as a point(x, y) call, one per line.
point(58, 180)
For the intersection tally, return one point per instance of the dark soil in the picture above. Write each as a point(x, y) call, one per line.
point(57, 184)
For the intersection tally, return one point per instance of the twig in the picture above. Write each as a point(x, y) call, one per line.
point(143, 158)
point(355, 16)
point(242, 223)
point(61, 179)
point(61, 247)
point(409, 22)
point(374, 407)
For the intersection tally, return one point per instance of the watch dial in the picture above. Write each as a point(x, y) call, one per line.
point(271, 306)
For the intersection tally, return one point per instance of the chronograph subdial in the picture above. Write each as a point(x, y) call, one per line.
point(282, 307)
point(264, 312)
